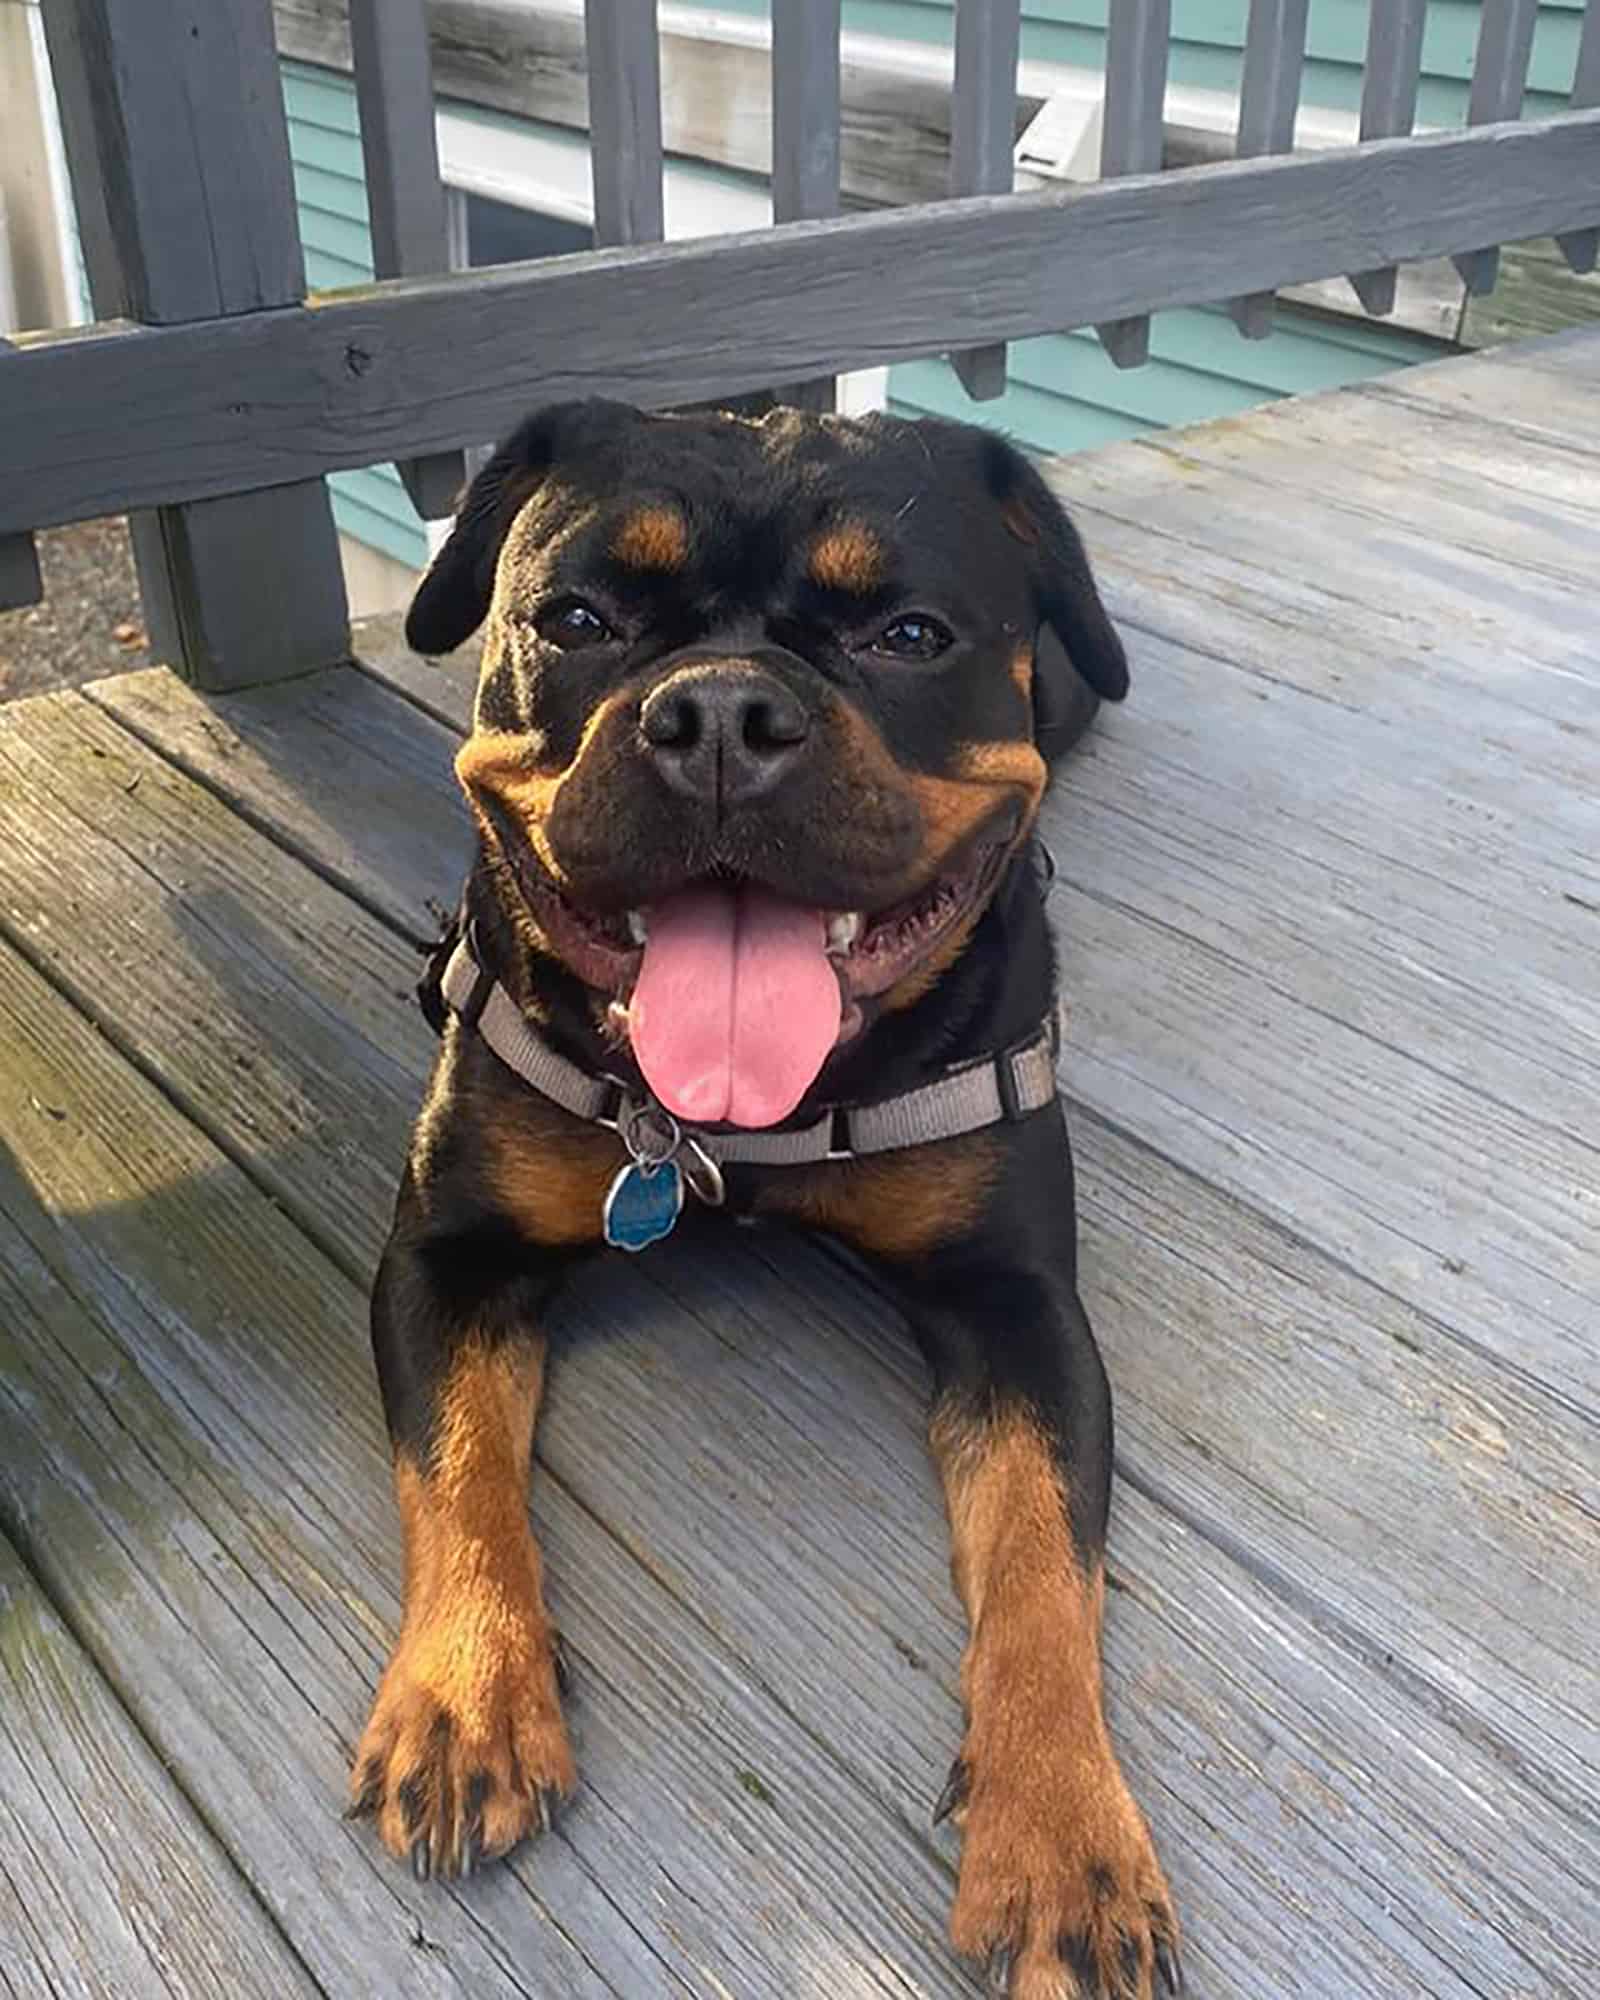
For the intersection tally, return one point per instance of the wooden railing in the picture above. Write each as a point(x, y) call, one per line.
point(212, 397)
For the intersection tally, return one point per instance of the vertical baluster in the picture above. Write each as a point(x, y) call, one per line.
point(1274, 55)
point(805, 135)
point(1499, 77)
point(1580, 246)
point(405, 199)
point(20, 582)
point(1138, 33)
point(983, 138)
point(624, 56)
point(1389, 108)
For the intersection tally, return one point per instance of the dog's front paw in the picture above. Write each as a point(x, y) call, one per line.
point(1061, 1896)
point(466, 1752)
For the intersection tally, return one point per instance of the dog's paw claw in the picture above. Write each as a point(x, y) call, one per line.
point(954, 1794)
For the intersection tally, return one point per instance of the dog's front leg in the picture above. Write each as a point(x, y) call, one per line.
point(1060, 1892)
point(1060, 1888)
point(465, 1751)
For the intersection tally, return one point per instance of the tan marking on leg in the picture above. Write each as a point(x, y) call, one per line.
point(898, 1205)
point(1057, 1861)
point(1022, 671)
point(653, 537)
point(849, 557)
point(466, 1743)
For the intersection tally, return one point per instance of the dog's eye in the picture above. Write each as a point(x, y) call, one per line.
point(914, 638)
point(569, 622)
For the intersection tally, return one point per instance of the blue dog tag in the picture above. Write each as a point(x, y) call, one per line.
point(643, 1204)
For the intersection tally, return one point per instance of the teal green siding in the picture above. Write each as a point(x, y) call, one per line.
point(1064, 393)
point(325, 143)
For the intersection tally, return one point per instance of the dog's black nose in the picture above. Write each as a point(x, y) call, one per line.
point(721, 735)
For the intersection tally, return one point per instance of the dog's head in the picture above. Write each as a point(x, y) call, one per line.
point(766, 710)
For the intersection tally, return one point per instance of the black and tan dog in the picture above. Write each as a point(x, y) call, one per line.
point(766, 713)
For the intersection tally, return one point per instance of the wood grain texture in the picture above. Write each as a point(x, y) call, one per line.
point(411, 365)
point(109, 1882)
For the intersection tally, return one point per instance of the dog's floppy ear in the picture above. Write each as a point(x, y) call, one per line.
point(452, 599)
point(1078, 656)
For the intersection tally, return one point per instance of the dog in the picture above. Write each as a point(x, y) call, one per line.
point(766, 713)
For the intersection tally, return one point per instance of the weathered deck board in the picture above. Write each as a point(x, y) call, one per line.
point(1332, 968)
point(109, 1883)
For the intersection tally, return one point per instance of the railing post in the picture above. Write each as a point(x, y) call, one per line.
point(176, 143)
point(1389, 109)
point(623, 52)
point(1579, 246)
point(805, 136)
point(1499, 79)
point(1138, 37)
point(983, 139)
point(405, 197)
point(1269, 97)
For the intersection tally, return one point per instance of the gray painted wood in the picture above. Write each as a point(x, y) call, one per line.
point(109, 1882)
point(1580, 247)
point(624, 66)
point(173, 120)
point(829, 1582)
point(1499, 78)
point(20, 581)
point(983, 130)
point(1138, 36)
point(1269, 97)
point(805, 135)
point(418, 366)
point(405, 197)
point(1389, 109)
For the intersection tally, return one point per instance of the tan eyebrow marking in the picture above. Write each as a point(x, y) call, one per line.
point(654, 537)
point(847, 557)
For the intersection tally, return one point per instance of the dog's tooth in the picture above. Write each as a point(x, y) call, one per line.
point(637, 929)
point(843, 930)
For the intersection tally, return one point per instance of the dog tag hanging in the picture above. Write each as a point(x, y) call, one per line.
point(643, 1204)
point(645, 1199)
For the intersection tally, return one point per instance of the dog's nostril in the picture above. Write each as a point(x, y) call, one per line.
point(671, 721)
point(773, 725)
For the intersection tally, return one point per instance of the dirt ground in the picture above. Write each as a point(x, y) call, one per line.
point(89, 624)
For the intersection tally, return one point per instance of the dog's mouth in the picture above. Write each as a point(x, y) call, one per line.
point(732, 996)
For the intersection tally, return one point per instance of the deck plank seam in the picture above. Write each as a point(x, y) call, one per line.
point(1261, 977)
point(261, 823)
point(409, 696)
point(16, 1533)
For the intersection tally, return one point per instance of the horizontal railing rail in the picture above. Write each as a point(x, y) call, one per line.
point(220, 384)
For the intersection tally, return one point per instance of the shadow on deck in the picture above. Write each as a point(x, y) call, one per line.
point(1329, 899)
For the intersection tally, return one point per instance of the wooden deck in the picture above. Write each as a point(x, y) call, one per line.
point(1329, 894)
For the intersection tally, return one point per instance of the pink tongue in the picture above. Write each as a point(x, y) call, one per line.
point(737, 1005)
